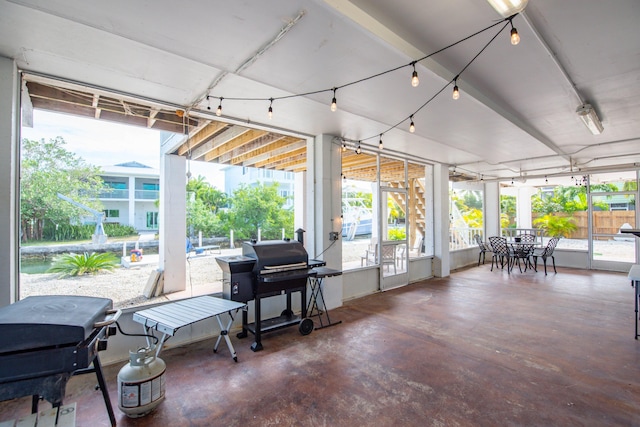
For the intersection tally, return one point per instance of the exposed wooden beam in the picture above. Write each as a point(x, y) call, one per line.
point(282, 157)
point(151, 120)
point(202, 136)
point(260, 145)
point(278, 147)
point(219, 139)
point(245, 138)
point(96, 99)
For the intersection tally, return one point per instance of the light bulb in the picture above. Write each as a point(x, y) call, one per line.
point(515, 37)
point(456, 92)
point(415, 81)
point(270, 113)
point(412, 127)
point(358, 150)
point(334, 103)
point(380, 145)
point(344, 147)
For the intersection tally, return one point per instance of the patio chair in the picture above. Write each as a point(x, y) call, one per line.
point(501, 252)
point(484, 248)
point(389, 257)
point(545, 253)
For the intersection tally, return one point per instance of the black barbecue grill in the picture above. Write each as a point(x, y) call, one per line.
point(265, 269)
point(44, 340)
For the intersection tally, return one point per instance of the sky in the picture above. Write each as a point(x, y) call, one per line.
point(104, 143)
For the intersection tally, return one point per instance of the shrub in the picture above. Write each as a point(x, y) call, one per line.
point(80, 264)
point(118, 230)
point(69, 232)
point(556, 226)
point(397, 234)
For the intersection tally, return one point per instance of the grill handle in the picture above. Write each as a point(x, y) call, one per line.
point(107, 322)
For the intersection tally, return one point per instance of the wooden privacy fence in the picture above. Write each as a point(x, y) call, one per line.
point(604, 222)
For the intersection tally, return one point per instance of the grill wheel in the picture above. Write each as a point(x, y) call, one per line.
point(306, 326)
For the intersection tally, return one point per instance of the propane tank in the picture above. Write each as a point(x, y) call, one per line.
point(141, 383)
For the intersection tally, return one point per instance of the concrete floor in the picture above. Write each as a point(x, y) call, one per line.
point(479, 348)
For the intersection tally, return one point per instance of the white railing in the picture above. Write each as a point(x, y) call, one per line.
point(147, 194)
point(461, 238)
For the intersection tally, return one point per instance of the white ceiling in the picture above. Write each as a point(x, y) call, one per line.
point(516, 114)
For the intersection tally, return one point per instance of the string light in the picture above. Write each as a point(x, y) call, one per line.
point(334, 103)
point(344, 146)
point(414, 78)
point(456, 92)
point(358, 150)
point(515, 37)
point(415, 81)
point(546, 181)
point(380, 145)
point(208, 103)
point(270, 113)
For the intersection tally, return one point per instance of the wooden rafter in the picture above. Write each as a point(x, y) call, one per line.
point(230, 145)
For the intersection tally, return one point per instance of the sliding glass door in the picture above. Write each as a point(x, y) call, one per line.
point(612, 203)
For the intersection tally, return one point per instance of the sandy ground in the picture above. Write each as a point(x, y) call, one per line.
point(124, 285)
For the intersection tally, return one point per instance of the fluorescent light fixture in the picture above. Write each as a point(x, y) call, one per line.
point(590, 118)
point(507, 8)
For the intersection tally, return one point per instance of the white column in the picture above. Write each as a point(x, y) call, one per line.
point(299, 205)
point(9, 188)
point(491, 209)
point(324, 165)
point(429, 214)
point(132, 202)
point(523, 207)
point(173, 224)
point(441, 260)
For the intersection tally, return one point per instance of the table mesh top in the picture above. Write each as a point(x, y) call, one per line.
point(170, 317)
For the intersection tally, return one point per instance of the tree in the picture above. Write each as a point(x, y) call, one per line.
point(203, 204)
point(568, 199)
point(259, 207)
point(47, 169)
point(507, 211)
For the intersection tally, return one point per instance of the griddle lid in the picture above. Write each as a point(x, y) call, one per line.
point(50, 320)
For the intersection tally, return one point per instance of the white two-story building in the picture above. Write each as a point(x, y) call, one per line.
point(131, 195)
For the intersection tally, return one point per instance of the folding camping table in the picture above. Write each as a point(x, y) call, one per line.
point(168, 318)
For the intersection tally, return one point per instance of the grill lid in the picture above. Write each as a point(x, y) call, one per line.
point(275, 253)
point(51, 320)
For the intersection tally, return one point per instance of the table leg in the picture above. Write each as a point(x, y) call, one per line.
point(637, 294)
point(320, 295)
point(224, 332)
point(315, 284)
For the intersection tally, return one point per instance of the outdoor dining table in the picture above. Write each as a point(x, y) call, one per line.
point(517, 246)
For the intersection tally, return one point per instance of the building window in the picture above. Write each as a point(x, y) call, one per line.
point(116, 185)
point(150, 186)
point(111, 213)
point(152, 219)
